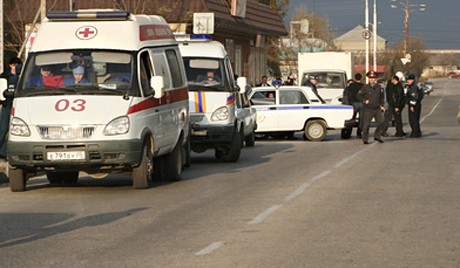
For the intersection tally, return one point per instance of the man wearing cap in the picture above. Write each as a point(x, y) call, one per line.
point(312, 82)
point(396, 101)
point(414, 98)
point(373, 100)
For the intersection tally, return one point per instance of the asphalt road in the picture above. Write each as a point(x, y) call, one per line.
point(286, 203)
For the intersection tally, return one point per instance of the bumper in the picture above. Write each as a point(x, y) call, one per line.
point(101, 156)
point(212, 135)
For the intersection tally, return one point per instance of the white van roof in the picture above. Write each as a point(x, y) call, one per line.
point(101, 29)
point(205, 49)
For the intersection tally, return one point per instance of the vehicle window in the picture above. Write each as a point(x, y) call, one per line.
point(76, 72)
point(145, 73)
point(161, 67)
point(206, 74)
point(292, 97)
point(174, 65)
point(264, 98)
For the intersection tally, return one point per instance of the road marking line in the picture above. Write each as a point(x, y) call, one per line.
point(432, 110)
point(324, 174)
point(297, 192)
point(340, 163)
point(209, 249)
point(262, 216)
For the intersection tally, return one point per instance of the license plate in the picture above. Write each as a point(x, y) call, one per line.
point(199, 132)
point(59, 156)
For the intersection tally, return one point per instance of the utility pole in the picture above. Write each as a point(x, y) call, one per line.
point(406, 27)
point(375, 36)
point(42, 9)
point(366, 25)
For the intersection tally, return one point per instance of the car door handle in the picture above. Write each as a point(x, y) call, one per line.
point(272, 108)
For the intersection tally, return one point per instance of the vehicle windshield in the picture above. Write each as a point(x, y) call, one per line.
point(77, 72)
point(206, 74)
point(328, 79)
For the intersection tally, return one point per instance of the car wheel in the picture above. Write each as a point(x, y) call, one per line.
point(173, 164)
point(251, 139)
point(235, 148)
point(17, 179)
point(315, 130)
point(345, 133)
point(142, 173)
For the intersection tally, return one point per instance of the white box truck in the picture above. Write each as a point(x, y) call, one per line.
point(332, 68)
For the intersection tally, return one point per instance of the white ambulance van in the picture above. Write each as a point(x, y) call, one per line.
point(102, 91)
point(220, 114)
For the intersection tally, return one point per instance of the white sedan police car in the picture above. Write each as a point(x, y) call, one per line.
point(284, 110)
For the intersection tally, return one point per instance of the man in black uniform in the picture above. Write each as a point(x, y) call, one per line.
point(353, 90)
point(15, 65)
point(396, 101)
point(414, 98)
point(312, 82)
point(373, 100)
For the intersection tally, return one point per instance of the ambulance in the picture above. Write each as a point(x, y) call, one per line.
point(220, 114)
point(102, 91)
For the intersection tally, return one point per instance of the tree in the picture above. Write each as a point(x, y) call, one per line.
point(418, 61)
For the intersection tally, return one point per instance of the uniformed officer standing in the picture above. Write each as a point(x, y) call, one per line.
point(414, 98)
point(373, 99)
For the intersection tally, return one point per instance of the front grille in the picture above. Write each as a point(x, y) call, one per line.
point(65, 132)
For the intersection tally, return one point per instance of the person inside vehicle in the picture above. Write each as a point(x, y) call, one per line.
point(78, 76)
point(39, 80)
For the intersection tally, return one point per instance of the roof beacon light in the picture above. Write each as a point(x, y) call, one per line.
point(202, 37)
point(89, 15)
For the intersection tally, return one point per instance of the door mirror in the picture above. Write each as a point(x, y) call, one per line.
point(241, 82)
point(157, 83)
point(3, 88)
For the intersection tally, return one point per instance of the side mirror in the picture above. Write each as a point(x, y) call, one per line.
point(241, 82)
point(3, 88)
point(157, 83)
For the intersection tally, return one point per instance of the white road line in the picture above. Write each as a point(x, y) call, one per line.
point(297, 192)
point(354, 155)
point(322, 175)
point(432, 110)
point(209, 249)
point(262, 216)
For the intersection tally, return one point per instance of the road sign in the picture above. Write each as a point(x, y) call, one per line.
point(367, 34)
point(405, 60)
point(203, 23)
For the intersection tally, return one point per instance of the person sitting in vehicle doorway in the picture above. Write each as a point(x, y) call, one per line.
point(78, 76)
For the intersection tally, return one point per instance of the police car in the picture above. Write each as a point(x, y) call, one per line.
point(284, 110)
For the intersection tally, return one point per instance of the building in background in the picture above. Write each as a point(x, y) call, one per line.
point(242, 26)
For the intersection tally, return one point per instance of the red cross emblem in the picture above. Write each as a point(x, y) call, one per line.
point(86, 32)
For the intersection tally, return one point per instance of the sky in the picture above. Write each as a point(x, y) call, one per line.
point(439, 25)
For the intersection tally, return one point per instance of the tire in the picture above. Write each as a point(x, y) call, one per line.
point(186, 154)
point(250, 140)
point(345, 133)
point(315, 130)
point(173, 164)
point(234, 152)
point(70, 177)
point(142, 174)
point(17, 179)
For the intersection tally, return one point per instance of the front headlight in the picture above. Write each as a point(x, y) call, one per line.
point(19, 128)
point(117, 126)
point(220, 114)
